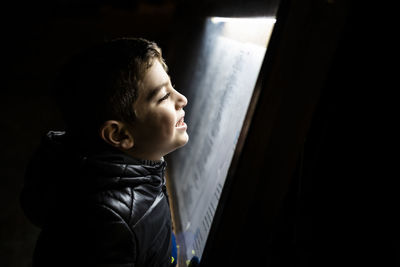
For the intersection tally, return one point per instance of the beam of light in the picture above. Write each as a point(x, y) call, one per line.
point(256, 30)
point(255, 20)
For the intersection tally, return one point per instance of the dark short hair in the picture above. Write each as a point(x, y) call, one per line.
point(101, 83)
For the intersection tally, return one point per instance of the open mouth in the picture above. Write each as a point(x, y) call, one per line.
point(180, 123)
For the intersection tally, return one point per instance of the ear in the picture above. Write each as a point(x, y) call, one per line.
point(116, 134)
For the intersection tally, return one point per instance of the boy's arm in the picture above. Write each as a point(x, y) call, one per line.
point(109, 238)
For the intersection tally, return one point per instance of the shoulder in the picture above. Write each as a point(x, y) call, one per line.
point(132, 204)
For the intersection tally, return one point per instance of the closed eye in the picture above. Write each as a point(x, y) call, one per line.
point(164, 97)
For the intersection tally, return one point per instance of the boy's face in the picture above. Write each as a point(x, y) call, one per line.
point(159, 128)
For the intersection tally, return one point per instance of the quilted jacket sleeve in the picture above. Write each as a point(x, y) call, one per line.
point(112, 241)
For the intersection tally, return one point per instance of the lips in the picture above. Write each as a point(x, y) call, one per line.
point(180, 123)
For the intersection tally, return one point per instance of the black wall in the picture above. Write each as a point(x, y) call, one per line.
point(342, 207)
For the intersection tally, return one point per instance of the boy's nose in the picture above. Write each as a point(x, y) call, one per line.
point(181, 101)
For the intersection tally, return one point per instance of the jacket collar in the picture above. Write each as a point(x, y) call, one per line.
point(102, 165)
point(113, 167)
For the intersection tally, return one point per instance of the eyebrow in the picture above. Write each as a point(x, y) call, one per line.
point(153, 92)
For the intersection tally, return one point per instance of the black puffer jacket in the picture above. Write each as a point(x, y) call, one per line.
point(99, 208)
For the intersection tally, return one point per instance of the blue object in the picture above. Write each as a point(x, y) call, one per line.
point(174, 254)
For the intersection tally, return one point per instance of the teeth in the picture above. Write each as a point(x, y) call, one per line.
point(180, 122)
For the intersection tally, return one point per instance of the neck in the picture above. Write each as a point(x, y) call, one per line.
point(144, 156)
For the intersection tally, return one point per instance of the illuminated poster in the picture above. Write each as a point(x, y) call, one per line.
point(219, 90)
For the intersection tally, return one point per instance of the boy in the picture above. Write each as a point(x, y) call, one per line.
point(97, 191)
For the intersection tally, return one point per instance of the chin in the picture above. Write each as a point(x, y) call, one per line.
point(185, 139)
point(180, 143)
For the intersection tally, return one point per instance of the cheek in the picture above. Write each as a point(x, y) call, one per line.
point(164, 122)
point(168, 127)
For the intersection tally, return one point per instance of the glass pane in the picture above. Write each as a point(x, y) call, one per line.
point(219, 91)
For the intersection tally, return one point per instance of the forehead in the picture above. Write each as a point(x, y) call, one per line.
point(155, 75)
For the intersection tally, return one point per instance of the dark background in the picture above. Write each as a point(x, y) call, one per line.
point(336, 211)
point(36, 37)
